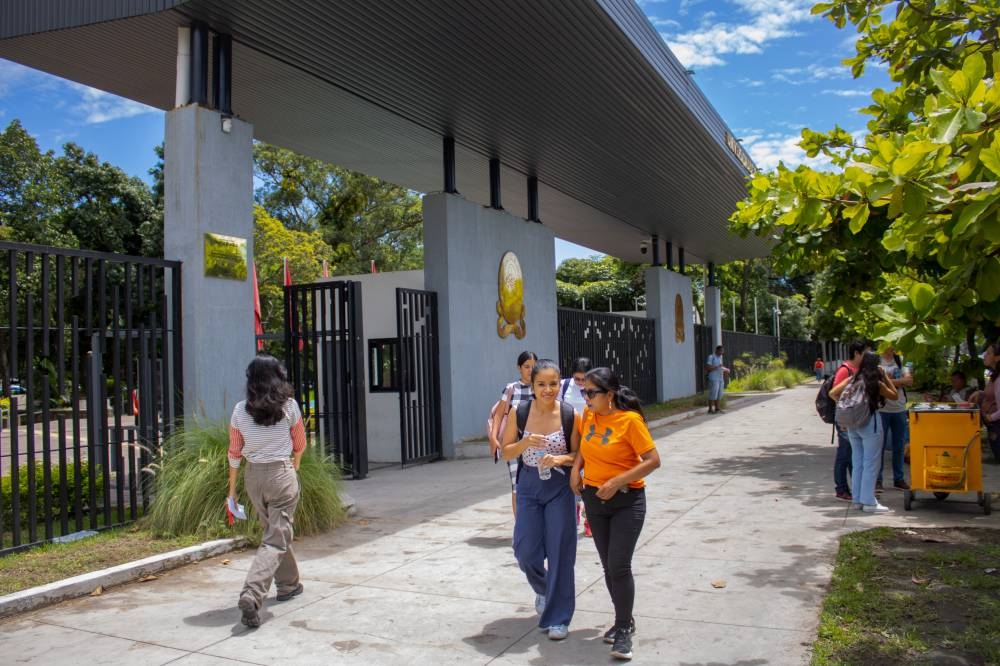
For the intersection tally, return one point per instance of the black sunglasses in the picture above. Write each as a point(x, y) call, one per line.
point(590, 393)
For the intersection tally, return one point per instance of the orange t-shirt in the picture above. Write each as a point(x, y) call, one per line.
point(611, 445)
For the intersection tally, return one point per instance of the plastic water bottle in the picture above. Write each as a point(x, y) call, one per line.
point(544, 474)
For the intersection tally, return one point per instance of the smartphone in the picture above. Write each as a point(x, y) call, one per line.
point(496, 456)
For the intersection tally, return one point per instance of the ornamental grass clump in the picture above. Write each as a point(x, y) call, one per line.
point(190, 488)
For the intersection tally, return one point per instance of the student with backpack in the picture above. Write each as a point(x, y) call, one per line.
point(513, 394)
point(543, 440)
point(842, 464)
point(859, 398)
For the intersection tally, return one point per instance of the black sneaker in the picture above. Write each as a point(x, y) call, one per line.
point(609, 635)
point(622, 648)
point(251, 617)
point(285, 596)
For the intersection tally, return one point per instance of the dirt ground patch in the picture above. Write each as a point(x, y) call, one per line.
point(913, 596)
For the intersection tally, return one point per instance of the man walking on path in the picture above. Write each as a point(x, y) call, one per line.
point(716, 376)
point(842, 466)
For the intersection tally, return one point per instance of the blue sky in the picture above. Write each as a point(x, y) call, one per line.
point(768, 66)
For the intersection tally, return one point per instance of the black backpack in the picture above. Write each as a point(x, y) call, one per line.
point(566, 413)
point(825, 405)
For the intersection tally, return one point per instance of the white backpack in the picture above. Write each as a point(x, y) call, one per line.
point(853, 409)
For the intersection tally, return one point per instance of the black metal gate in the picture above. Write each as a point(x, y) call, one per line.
point(90, 364)
point(324, 353)
point(703, 348)
point(419, 375)
point(625, 344)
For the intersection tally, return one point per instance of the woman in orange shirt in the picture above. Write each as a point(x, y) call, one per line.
point(616, 453)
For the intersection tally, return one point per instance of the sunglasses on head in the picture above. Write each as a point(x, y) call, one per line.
point(590, 393)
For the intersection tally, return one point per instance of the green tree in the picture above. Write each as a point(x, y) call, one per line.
point(904, 227)
point(30, 190)
point(273, 243)
point(599, 281)
point(362, 218)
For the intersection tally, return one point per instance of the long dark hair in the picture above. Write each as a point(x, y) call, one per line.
point(995, 369)
point(267, 390)
point(526, 356)
point(869, 373)
point(625, 398)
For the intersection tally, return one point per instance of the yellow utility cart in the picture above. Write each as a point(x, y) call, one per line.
point(945, 452)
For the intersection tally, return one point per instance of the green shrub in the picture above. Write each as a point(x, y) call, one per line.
point(191, 484)
point(72, 499)
point(768, 380)
point(776, 364)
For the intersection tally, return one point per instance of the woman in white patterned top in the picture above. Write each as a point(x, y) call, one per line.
point(266, 429)
point(513, 394)
point(545, 437)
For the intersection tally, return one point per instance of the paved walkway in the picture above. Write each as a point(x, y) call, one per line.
point(426, 575)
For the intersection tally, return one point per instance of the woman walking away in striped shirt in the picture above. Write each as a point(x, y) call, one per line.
point(267, 430)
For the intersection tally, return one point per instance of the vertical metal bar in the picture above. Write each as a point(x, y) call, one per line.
point(177, 346)
point(323, 361)
point(449, 165)
point(15, 475)
point(222, 73)
point(149, 411)
point(435, 396)
point(12, 296)
point(60, 344)
point(117, 403)
point(655, 242)
point(680, 260)
point(711, 276)
point(46, 457)
point(29, 384)
point(670, 256)
point(95, 407)
point(199, 64)
point(102, 279)
point(88, 299)
point(400, 374)
point(495, 184)
point(128, 328)
point(63, 477)
point(533, 199)
point(358, 379)
point(45, 304)
point(76, 360)
point(160, 416)
point(146, 415)
point(132, 496)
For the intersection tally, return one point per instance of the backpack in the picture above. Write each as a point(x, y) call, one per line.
point(825, 405)
point(564, 389)
point(853, 408)
point(499, 419)
point(566, 413)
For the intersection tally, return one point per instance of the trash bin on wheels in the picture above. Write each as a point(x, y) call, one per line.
point(946, 452)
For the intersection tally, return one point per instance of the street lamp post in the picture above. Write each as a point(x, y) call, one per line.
point(734, 312)
point(756, 327)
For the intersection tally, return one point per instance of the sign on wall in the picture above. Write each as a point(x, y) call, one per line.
point(225, 257)
point(510, 307)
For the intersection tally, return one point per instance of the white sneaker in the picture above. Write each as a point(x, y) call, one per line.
point(876, 508)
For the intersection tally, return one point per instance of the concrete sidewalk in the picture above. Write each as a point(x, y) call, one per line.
point(425, 574)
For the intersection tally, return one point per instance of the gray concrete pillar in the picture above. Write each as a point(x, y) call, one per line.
point(713, 313)
point(208, 188)
point(668, 301)
point(463, 245)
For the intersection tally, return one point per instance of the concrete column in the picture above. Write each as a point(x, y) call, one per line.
point(668, 301)
point(713, 313)
point(208, 187)
point(463, 245)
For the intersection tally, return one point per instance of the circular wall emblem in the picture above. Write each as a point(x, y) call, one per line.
point(510, 306)
point(679, 318)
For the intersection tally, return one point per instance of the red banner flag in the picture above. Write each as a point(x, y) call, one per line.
point(288, 273)
point(258, 326)
point(373, 266)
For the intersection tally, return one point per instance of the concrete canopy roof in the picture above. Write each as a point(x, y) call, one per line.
point(582, 94)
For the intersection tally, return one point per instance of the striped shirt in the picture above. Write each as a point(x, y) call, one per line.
point(263, 444)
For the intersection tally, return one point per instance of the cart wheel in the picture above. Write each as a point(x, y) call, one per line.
point(987, 504)
point(941, 496)
point(908, 500)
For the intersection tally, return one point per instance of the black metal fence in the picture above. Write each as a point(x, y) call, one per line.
point(90, 363)
point(800, 354)
point(324, 347)
point(702, 348)
point(625, 344)
point(419, 378)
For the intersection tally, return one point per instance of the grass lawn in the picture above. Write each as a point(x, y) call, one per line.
point(677, 405)
point(53, 562)
point(913, 596)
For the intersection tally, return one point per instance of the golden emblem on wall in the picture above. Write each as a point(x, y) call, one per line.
point(679, 318)
point(510, 307)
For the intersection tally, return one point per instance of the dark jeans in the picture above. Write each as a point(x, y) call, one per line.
point(616, 524)
point(842, 466)
point(894, 439)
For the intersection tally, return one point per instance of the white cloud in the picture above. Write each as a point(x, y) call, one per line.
point(848, 93)
point(767, 151)
point(97, 106)
point(809, 74)
point(11, 76)
point(767, 20)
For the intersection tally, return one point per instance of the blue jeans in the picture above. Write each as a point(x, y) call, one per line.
point(866, 449)
point(842, 463)
point(894, 438)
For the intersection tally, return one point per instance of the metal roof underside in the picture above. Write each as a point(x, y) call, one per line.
point(583, 94)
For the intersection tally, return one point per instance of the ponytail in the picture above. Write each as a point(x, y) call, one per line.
point(628, 401)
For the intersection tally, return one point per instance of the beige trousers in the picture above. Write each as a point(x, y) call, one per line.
point(274, 492)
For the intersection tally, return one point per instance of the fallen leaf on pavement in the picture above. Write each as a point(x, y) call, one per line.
point(911, 532)
point(991, 570)
point(225, 562)
point(98, 591)
point(920, 581)
point(146, 579)
point(718, 584)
